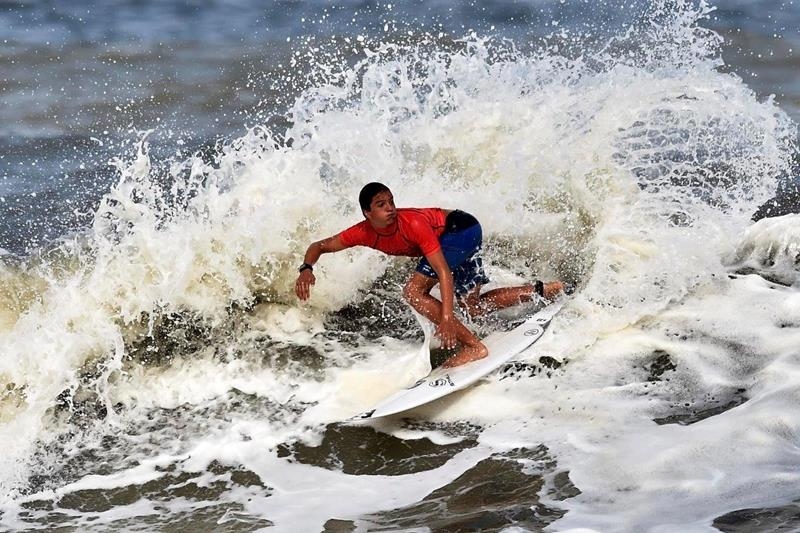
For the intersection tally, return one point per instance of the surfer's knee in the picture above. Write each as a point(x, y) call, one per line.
point(467, 354)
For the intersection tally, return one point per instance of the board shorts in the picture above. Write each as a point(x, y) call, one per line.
point(461, 246)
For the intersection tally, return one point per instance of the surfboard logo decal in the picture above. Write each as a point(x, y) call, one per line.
point(532, 332)
point(441, 382)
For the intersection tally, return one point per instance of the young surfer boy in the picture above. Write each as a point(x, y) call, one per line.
point(448, 242)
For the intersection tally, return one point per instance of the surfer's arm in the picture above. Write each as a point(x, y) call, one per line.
point(306, 278)
point(446, 329)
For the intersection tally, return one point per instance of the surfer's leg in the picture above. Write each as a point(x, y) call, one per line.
point(417, 294)
point(478, 304)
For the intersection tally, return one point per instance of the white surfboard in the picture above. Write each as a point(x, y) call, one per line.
point(502, 345)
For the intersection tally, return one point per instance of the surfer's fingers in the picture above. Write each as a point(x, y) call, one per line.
point(448, 340)
point(302, 289)
point(447, 336)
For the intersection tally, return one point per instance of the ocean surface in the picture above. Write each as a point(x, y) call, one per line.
point(164, 165)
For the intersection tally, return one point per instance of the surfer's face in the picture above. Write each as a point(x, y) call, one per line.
point(381, 212)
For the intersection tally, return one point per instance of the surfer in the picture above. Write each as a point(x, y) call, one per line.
point(449, 243)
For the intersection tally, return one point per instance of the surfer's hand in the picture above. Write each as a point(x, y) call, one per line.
point(446, 331)
point(302, 287)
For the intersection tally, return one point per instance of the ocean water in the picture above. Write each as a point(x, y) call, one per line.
point(163, 166)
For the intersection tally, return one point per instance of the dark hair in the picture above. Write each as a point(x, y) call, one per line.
point(368, 192)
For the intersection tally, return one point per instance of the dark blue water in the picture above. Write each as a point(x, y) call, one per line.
point(81, 80)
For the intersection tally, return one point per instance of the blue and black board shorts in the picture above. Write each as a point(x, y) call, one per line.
point(461, 246)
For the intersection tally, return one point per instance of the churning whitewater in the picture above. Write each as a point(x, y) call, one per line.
point(157, 368)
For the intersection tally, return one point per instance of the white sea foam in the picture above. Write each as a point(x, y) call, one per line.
point(771, 246)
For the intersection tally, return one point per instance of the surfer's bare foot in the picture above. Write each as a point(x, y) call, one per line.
point(552, 290)
point(465, 355)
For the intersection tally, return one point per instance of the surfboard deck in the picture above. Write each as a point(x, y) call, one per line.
point(502, 345)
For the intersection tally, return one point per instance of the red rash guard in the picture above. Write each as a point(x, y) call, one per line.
point(414, 233)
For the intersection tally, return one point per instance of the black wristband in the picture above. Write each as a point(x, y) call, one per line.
point(306, 266)
point(539, 287)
